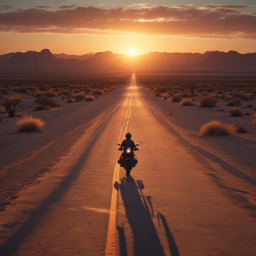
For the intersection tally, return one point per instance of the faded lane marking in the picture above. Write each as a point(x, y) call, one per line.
point(96, 209)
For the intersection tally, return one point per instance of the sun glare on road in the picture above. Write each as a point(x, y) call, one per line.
point(132, 52)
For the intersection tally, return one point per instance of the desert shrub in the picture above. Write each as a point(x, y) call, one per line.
point(89, 98)
point(79, 97)
point(220, 92)
point(249, 106)
point(205, 94)
point(232, 103)
point(22, 90)
point(187, 102)
point(249, 96)
point(240, 128)
point(69, 101)
point(97, 92)
point(217, 128)
point(176, 98)
point(185, 95)
point(50, 94)
point(29, 124)
point(240, 95)
point(16, 98)
point(192, 86)
point(207, 102)
point(161, 89)
point(47, 102)
point(236, 112)
point(76, 90)
point(2, 109)
point(38, 94)
point(96, 96)
point(41, 107)
point(157, 94)
point(66, 93)
point(11, 105)
point(42, 88)
point(165, 96)
point(254, 117)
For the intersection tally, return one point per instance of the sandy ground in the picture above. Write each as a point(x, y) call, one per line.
point(189, 195)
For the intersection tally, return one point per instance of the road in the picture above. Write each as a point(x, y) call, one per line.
point(86, 206)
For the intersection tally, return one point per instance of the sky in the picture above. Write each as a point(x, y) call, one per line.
point(79, 27)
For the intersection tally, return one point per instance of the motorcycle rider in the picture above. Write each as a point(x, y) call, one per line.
point(128, 143)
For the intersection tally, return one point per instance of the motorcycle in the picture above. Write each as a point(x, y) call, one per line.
point(127, 159)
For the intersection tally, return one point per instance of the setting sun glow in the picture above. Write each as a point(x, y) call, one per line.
point(131, 52)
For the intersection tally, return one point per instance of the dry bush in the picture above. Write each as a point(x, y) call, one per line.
point(89, 98)
point(207, 102)
point(38, 94)
point(187, 102)
point(192, 86)
point(236, 112)
point(185, 95)
point(29, 124)
point(43, 88)
point(249, 106)
point(217, 128)
point(76, 90)
point(65, 92)
point(79, 97)
point(240, 95)
point(47, 102)
point(176, 98)
point(69, 101)
point(50, 94)
point(11, 105)
point(165, 96)
point(254, 117)
point(97, 92)
point(41, 107)
point(22, 90)
point(157, 94)
point(240, 128)
point(232, 103)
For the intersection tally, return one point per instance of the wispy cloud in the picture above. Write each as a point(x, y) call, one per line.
point(225, 6)
point(43, 6)
point(5, 7)
point(64, 7)
point(224, 21)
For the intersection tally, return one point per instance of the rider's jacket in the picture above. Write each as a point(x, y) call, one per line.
point(127, 144)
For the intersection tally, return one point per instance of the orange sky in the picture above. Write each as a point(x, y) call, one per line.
point(79, 30)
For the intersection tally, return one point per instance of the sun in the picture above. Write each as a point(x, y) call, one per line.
point(131, 52)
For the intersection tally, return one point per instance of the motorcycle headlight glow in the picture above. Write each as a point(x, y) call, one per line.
point(128, 150)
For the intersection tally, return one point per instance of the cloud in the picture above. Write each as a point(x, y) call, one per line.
point(43, 6)
point(184, 21)
point(5, 7)
point(225, 6)
point(61, 1)
point(67, 6)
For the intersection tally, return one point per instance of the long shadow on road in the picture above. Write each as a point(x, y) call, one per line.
point(15, 241)
point(139, 212)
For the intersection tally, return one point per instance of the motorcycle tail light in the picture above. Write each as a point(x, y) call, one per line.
point(128, 150)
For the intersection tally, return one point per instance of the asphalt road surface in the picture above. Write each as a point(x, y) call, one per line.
point(87, 206)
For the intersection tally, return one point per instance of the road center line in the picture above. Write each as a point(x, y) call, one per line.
point(111, 235)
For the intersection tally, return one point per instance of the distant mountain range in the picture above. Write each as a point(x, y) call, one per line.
point(214, 61)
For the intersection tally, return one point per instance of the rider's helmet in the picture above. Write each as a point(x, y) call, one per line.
point(128, 135)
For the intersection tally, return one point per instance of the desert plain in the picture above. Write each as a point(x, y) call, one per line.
point(63, 193)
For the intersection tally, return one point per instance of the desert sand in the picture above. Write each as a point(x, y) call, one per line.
point(189, 195)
